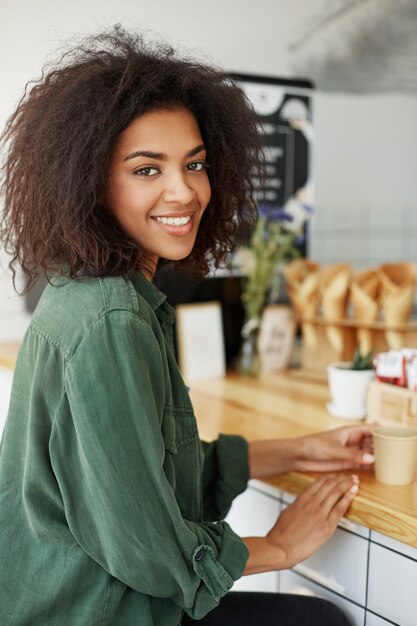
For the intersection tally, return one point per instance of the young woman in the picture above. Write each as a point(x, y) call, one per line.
point(122, 157)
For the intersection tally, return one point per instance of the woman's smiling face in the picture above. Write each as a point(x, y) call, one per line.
point(157, 186)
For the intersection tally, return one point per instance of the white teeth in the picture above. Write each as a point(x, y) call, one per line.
point(174, 221)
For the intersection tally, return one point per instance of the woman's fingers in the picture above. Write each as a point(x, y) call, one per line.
point(329, 497)
point(342, 505)
point(325, 489)
point(315, 487)
point(335, 491)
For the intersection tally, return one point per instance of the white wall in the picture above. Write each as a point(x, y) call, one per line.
point(366, 146)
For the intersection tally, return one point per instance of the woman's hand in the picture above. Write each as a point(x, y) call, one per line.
point(303, 526)
point(346, 448)
point(313, 517)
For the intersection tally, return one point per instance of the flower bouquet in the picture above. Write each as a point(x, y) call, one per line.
point(274, 242)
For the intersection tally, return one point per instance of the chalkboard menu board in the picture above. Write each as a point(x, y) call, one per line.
point(284, 109)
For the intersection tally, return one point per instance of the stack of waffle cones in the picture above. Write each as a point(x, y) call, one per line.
point(364, 299)
point(334, 288)
point(397, 288)
point(302, 277)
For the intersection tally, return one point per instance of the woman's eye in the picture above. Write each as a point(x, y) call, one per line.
point(196, 166)
point(147, 171)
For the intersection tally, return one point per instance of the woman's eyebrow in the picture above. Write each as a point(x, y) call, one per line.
point(196, 150)
point(160, 156)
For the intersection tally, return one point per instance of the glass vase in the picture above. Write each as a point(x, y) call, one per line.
point(249, 361)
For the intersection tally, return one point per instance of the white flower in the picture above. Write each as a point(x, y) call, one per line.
point(298, 207)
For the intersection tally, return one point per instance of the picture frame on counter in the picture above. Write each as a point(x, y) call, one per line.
point(200, 341)
point(276, 337)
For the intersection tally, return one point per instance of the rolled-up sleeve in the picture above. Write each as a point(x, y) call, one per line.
point(107, 451)
point(225, 474)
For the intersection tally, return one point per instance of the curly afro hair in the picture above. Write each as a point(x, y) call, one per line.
point(59, 142)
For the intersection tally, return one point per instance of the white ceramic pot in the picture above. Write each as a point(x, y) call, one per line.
point(348, 389)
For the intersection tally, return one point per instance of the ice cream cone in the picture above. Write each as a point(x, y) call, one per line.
point(364, 300)
point(296, 272)
point(303, 289)
point(334, 287)
point(397, 309)
point(368, 281)
point(394, 276)
point(398, 286)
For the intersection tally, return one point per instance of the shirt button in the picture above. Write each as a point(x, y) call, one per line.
point(199, 555)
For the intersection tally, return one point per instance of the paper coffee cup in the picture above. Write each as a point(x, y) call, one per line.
point(395, 450)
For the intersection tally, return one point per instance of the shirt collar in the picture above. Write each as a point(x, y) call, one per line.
point(155, 298)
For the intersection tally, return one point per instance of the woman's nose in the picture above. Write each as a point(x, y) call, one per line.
point(178, 190)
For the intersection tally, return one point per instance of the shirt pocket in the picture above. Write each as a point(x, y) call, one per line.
point(179, 428)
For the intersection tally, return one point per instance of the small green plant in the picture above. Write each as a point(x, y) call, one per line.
point(362, 362)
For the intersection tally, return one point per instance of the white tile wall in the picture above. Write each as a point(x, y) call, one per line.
point(338, 245)
point(383, 244)
point(393, 544)
point(410, 218)
point(340, 565)
point(392, 586)
point(374, 620)
point(385, 219)
point(365, 236)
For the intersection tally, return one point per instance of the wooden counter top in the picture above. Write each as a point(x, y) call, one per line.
point(290, 405)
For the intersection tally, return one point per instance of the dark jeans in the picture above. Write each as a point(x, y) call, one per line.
point(241, 608)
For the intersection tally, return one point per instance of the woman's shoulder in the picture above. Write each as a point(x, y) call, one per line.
point(69, 308)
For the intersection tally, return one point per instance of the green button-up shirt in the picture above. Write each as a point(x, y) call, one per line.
point(108, 500)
